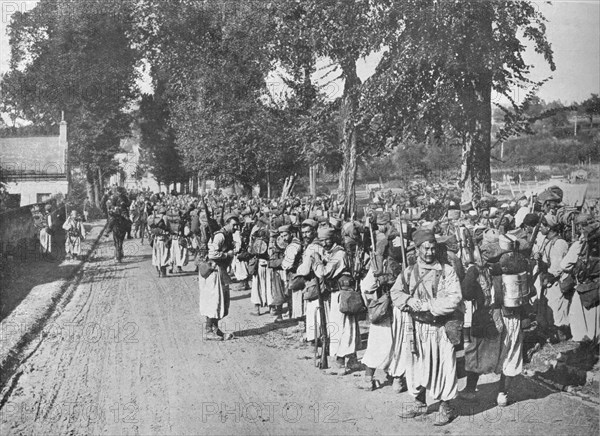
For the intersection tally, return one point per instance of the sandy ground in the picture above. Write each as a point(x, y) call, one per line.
point(126, 355)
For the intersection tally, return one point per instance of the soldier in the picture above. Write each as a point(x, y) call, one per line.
point(549, 257)
point(75, 234)
point(213, 285)
point(432, 297)
point(334, 269)
point(305, 269)
point(160, 236)
point(292, 256)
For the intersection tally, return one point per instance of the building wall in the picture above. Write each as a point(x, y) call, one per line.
point(30, 189)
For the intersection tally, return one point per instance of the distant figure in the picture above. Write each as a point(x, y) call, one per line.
point(87, 206)
point(75, 234)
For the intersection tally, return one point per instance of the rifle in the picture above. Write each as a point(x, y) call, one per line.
point(321, 363)
point(222, 217)
point(413, 342)
point(209, 230)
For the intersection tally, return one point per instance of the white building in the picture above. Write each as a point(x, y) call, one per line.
point(35, 167)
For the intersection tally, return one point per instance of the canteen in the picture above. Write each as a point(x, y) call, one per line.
point(515, 288)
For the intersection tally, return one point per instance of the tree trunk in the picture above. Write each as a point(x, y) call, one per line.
point(476, 176)
point(98, 193)
point(347, 181)
point(195, 186)
point(268, 185)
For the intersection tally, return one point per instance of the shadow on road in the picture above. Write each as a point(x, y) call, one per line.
point(266, 329)
point(520, 391)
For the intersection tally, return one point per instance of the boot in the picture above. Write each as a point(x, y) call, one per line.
point(179, 270)
point(417, 408)
point(446, 414)
point(256, 310)
point(164, 271)
point(399, 385)
point(368, 383)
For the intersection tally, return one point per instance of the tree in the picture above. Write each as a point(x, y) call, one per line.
point(75, 57)
point(342, 32)
point(157, 139)
point(443, 62)
point(215, 58)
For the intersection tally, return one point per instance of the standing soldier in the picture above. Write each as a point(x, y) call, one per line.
point(46, 232)
point(433, 295)
point(75, 233)
point(160, 238)
point(291, 259)
point(334, 269)
point(305, 269)
point(549, 257)
point(214, 285)
point(87, 206)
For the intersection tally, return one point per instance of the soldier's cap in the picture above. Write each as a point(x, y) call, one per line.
point(285, 229)
point(162, 210)
point(273, 233)
point(230, 216)
point(465, 207)
point(309, 223)
point(48, 207)
point(246, 211)
point(194, 212)
point(531, 219)
point(325, 232)
point(264, 219)
point(548, 196)
point(422, 235)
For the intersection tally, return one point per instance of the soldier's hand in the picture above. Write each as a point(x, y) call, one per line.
point(414, 304)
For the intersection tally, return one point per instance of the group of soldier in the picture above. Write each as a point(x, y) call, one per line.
point(479, 277)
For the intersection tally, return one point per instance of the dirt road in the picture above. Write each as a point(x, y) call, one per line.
point(125, 355)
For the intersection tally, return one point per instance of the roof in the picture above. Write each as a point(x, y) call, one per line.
point(32, 155)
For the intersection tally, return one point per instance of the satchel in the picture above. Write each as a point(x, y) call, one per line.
point(567, 286)
point(206, 269)
point(351, 302)
point(589, 293)
point(296, 283)
point(380, 309)
point(311, 290)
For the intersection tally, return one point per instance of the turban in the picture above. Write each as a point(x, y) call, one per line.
point(531, 219)
point(551, 220)
point(325, 232)
point(335, 222)
point(490, 236)
point(384, 218)
point(286, 229)
point(423, 235)
point(309, 223)
point(231, 216)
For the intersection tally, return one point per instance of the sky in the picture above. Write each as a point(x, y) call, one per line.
point(573, 29)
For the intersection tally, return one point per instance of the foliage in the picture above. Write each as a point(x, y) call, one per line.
point(74, 57)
